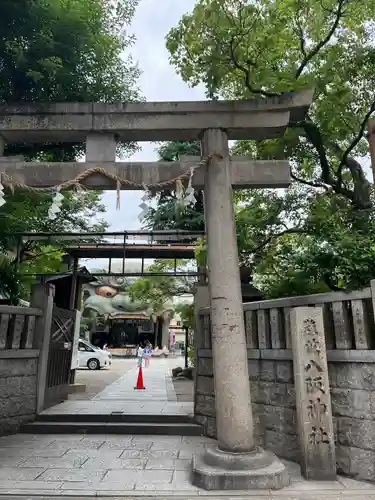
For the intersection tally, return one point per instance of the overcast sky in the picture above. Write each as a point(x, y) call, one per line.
point(159, 82)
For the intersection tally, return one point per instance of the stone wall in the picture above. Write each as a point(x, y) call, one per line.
point(273, 400)
point(353, 406)
point(21, 336)
point(18, 386)
point(274, 406)
point(351, 377)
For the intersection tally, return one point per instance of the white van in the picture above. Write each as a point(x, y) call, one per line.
point(92, 357)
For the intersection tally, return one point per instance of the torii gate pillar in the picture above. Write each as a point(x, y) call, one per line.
point(232, 387)
point(235, 463)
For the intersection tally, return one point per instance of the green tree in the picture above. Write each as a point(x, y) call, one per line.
point(304, 242)
point(320, 233)
point(160, 290)
point(58, 51)
point(242, 49)
point(29, 213)
point(186, 312)
point(66, 50)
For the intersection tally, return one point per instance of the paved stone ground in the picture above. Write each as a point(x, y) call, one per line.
point(97, 380)
point(51, 466)
point(81, 465)
point(120, 396)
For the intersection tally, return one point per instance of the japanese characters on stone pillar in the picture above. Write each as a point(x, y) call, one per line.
point(313, 401)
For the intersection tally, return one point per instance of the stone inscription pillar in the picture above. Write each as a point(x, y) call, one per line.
point(235, 464)
point(313, 400)
point(232, 387)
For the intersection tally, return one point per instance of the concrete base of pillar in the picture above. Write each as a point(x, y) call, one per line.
point(257, 470)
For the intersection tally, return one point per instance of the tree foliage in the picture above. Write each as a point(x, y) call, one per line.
point(66, 50)
point(166, 214)
point(242, 49)
point(318, 234)
point(160, 291)
point(304, 242)
point(58, 51)
point(24, 213)
point(186, 312)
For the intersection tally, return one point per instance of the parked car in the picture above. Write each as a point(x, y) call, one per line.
point(92, 357)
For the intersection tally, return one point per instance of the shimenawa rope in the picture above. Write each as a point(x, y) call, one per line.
point(120, 182)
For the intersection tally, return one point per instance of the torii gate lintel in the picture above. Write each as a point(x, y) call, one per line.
point(244, 173)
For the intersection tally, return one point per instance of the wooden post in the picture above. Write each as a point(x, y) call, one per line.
point(74, 285)
point(42, 296)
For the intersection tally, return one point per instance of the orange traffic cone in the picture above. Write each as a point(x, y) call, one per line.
point(140, 380)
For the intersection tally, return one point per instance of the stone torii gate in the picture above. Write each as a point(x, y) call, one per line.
point(235, 463)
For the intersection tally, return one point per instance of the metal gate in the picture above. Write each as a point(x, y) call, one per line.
point(60, 356)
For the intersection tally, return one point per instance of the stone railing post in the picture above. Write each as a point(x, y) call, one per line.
point(313, 399)
point(201, 300)
point(42, 296)
point(372, 286)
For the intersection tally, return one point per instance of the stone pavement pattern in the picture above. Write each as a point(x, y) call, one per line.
point(96, 381)
point(132, 466)
point(120, 396)
point(81, 465)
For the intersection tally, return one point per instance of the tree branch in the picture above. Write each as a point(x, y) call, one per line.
point(309, 183)
point(302, 41)
point(313, 134)
point(358, 137)
point(246, 73)
point(359, 197)
point(272, 237)
point(326, 39)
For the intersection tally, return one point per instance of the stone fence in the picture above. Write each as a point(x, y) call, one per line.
point(19, 356)
point(350, 342)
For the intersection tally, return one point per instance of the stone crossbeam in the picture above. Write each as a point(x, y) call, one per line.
point(152, 121)
point(245, 173)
